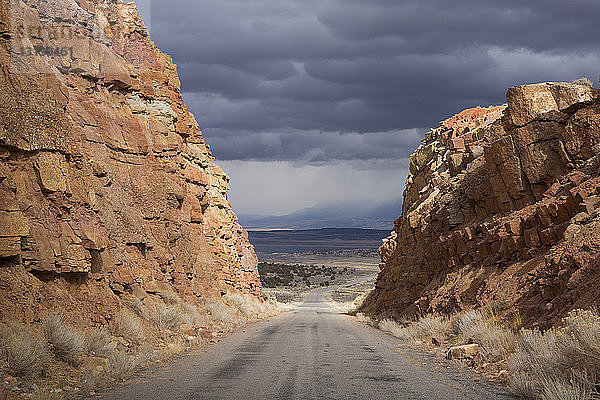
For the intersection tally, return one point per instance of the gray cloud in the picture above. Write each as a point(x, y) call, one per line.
point(314, 82)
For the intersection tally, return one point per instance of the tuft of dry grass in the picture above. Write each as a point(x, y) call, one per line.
point(475, 326)
point(221, 311)
point(65, 341)
point(24, 352)
point(563, 390)
point(48, 394)
point(98, 342)
point(560, 363)
point(121, 365)
point(193, 316)
point(498, 344)
point(170, 318)
point(128, 326)
point(423, 329)
point(249, 306)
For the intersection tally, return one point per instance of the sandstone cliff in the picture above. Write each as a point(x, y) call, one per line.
point(501, 205)
point(107, 188)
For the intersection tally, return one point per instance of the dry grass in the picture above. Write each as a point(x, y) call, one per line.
point(423, 329)
point(483, 328)
point(98, 342)
point(120, 365)
point(48, 394)
point(194, 317)
point(221, 311)
point(128, 326)
point(24, 352)
point(249, 306)
point(170, 318)
point(236, 308)
point(561, 363)
point(65, 341)
point(563, 390)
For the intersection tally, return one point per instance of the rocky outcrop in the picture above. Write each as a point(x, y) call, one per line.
point(107, 188)
point(501, 205)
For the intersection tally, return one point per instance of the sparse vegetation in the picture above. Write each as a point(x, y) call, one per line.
point(170, 318)
point(98, 342)
point(274, 275)
point(423, 329)
point(121, 365)
point(128, 326)
point(65, 341)
point(137, 307)
point(27, 353)
point(24, 352)
point(561, 363)
point(220, 311)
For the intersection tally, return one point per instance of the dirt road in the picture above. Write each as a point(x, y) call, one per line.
point(312, 352)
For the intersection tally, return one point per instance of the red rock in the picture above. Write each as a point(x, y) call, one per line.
point(515, 226)
point(106, 184)
point(458, 144)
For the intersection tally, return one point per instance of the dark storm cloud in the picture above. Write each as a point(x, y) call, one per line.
point(324, 146)
point(272, 74)
point(294, 95)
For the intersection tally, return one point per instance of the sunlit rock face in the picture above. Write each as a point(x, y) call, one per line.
point(501, 206)
point(107, 187)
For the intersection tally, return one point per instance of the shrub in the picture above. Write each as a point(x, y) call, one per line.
point(193, 317)
point(24, 352)
point(221, 312)
point(560, 363)
point(119, 365)
point(128, 326)
point(98, 341)
point(168, 318)
point(64, 340)
point(425, 328)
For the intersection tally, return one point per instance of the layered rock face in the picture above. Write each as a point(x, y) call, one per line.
point(107, 187)
point(501, 205)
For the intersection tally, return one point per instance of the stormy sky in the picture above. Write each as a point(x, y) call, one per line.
point(305, 102)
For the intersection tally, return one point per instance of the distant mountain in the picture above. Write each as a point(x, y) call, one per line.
point(349, 214)
point(291, 241)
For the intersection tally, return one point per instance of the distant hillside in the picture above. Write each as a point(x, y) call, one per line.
point(349, 214)
point(289, 241)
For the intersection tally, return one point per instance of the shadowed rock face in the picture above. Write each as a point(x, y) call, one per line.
point(107, 187)
point(501, 205)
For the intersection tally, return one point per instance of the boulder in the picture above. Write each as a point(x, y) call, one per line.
point(466, 351)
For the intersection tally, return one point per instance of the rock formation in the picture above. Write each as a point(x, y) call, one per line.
point(107, 188)
point(501, 205)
